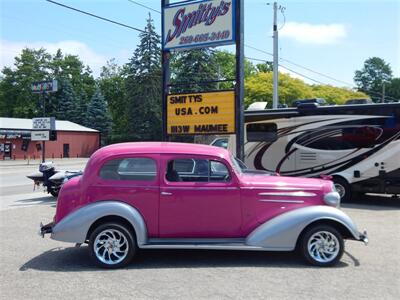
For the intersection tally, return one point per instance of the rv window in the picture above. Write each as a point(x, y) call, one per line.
point(262, 132)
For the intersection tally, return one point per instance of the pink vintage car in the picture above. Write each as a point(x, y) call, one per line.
point(184, 196)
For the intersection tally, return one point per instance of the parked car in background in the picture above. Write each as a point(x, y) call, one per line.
point(316, 101)
point(359, 101)
point(188, 196)
point(220, 142)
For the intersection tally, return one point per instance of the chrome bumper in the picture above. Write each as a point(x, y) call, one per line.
point(364, 237)
point(44, 229)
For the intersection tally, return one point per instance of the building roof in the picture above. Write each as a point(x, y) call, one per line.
point(26, 124)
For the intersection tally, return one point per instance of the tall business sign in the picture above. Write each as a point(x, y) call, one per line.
point(198, 24)
point(43, 88)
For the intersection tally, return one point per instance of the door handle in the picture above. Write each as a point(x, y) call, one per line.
point(166, 194)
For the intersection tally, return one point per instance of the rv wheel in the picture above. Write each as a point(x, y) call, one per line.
point(343, 188)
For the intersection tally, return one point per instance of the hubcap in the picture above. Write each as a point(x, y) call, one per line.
point(340, 189)
point(111, 246)
point(323, 246)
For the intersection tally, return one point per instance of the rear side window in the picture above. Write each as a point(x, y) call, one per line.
point(138, 168)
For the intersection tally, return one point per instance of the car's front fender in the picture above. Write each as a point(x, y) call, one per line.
point(75, 226)
point(282, 232)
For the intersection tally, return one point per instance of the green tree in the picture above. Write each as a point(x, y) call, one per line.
point(192, 69)
point(16, 98)
point(258, 88)
point(371, 78)
point(226, 66)
point(70, 67)
point(112, 85)
point(265, 67)
point(81, 109)
point(98, 115)
point(143, 87)
point(335, 95)
point(393, 89)
point(67, 102)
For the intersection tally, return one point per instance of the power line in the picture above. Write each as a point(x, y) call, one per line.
point(309, 78)
point(142, 5)
point(95, 16)
point(248, 46)
point(303, 67)
point(269, 53)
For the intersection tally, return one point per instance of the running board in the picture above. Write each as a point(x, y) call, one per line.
point(210, 244)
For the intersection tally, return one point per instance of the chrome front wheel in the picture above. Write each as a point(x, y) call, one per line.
point(111, 245)
point(322, 245)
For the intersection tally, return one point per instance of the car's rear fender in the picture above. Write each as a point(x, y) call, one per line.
point(283, 231)
point(75, 226)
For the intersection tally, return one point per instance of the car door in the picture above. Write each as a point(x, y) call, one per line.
point(199, 197)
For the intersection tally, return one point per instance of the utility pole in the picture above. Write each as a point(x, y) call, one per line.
point(275, 59)
point(44, 115)
point(383, 92)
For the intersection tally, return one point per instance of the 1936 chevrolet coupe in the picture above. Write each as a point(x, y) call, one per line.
point(183, 196)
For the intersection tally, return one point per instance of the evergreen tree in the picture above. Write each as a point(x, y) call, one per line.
point(98, 117)
point(192, 69)
point(143, 87)
point(67, 102)
point(81, 109)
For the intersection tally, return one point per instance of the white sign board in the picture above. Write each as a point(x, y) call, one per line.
point(44, 123)
point(40, 135)
point(205, 23)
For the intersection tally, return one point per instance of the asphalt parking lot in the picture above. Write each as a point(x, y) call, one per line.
point(36, 268)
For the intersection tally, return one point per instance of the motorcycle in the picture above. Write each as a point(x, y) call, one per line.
point(51, 178)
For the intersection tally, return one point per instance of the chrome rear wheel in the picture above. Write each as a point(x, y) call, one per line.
point(112, 245)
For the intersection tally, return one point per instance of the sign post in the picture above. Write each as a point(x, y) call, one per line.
point(165, 76)
point(43, 87)
point(199, 24)
point(239, 80)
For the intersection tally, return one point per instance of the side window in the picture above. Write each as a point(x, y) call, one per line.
point(138, 168)
point(196, 170)
point(262, 132)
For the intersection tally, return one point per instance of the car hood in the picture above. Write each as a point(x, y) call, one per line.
point(281, 182)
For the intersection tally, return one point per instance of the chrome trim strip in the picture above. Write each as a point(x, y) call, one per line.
point(281, 201)
point(281, 188)
point(289, 194)
point(199, 188)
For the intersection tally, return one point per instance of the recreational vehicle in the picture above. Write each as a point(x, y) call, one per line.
point(357, 145)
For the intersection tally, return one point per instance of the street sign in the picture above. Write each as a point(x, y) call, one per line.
point(40, 87)
point(48, 123)
point(201, 113)
point(206, 23)
point(40, 135)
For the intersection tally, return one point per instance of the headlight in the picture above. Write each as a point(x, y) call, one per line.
point(332, 199)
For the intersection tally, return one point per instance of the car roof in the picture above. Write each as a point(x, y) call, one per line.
point(160, 147)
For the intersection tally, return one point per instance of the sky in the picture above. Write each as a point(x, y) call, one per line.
point(325, 41)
